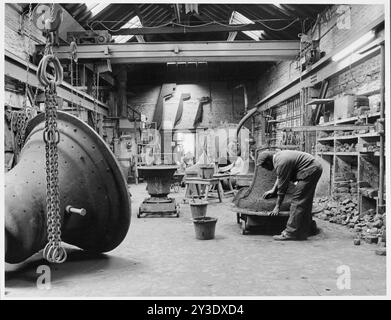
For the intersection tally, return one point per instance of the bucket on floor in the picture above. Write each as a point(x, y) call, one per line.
point(198, 208)
point(205, 228)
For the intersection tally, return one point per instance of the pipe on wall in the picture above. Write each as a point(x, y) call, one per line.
point(245, 96)
point(250, 114)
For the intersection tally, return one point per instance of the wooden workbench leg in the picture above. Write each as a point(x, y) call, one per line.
point(230, 184)
point(198, 191)
point(187, 193)
point(136, 171)
point(207, 187)
point(220, 191)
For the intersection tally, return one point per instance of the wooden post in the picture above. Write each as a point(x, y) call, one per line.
point(136, 154)
point(122, 90)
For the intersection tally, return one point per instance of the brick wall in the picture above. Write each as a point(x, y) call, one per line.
point(226, 106)
point(359, 79)
point(284, 72)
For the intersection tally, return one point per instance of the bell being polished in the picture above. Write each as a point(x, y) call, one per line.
point(94, 199)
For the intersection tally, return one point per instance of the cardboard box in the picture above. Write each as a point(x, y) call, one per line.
point(343, 107)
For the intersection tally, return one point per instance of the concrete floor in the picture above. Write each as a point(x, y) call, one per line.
point(160, 257)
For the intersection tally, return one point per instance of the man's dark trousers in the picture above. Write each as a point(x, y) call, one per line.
point(300, 217)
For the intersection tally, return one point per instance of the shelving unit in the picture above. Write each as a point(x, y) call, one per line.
point(359, 160)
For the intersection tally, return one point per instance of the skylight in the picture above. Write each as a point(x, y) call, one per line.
point(95, 8)
point(132, 23)
point(277, 5)
point(238, 18)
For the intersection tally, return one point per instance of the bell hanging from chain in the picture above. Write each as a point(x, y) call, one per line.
point(89, 178)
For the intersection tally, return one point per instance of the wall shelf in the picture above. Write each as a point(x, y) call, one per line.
point(355, 118)
point(328, 153)
point(375, 153)
point(319, 101)
point(369, 135)
point(326, 139)
point(343, 153)
point(350, 119)
point(351, 137)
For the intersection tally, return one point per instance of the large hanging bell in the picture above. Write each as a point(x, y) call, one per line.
point(90, 181)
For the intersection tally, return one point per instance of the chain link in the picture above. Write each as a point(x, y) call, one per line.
point(95, 96)
point(72, 84)
point(19, 121)
point(27, 52)
point(35, 98)
point(53, 252)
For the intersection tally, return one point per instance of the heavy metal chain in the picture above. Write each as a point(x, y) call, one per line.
point(19, 120)
point(77, 84)
point(27, 51)
point(95, 96)
point(71, 72)
point(77, 74)
point(53, 252)
point(35, 97)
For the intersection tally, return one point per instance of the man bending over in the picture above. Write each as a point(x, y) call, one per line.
point(295, 166)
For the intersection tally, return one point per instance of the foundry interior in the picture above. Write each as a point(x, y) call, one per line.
point(194, 149)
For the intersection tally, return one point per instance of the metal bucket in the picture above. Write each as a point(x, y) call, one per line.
point(198, 208)
point(205, 228)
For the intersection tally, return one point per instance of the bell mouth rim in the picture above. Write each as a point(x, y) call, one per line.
point(111, 161)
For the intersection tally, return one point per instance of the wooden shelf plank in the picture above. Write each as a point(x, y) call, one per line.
point(350, 119)
point(355, 118)
point(341, 153)
point(369, 135)
point(326, 139)
point(329, 153)
point(350, 137)
point(370, 153)
point(319, 101)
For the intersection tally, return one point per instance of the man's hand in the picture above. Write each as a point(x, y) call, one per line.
point(269, 194)
point(275, 212)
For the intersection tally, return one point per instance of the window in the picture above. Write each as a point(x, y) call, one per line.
point(95, 8)
point(132, 23)
point(238, 18)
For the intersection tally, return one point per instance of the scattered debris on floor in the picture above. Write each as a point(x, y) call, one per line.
point(368, 225)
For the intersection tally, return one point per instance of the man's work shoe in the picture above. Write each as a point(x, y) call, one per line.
point(314, 229)
point(284, 237)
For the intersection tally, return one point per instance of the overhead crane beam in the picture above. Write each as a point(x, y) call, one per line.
point(161, 52)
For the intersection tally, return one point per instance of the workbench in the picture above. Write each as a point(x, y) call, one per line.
point(208, 184)
point(209, 188)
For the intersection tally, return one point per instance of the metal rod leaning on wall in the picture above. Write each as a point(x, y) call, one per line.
point(382, 119)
